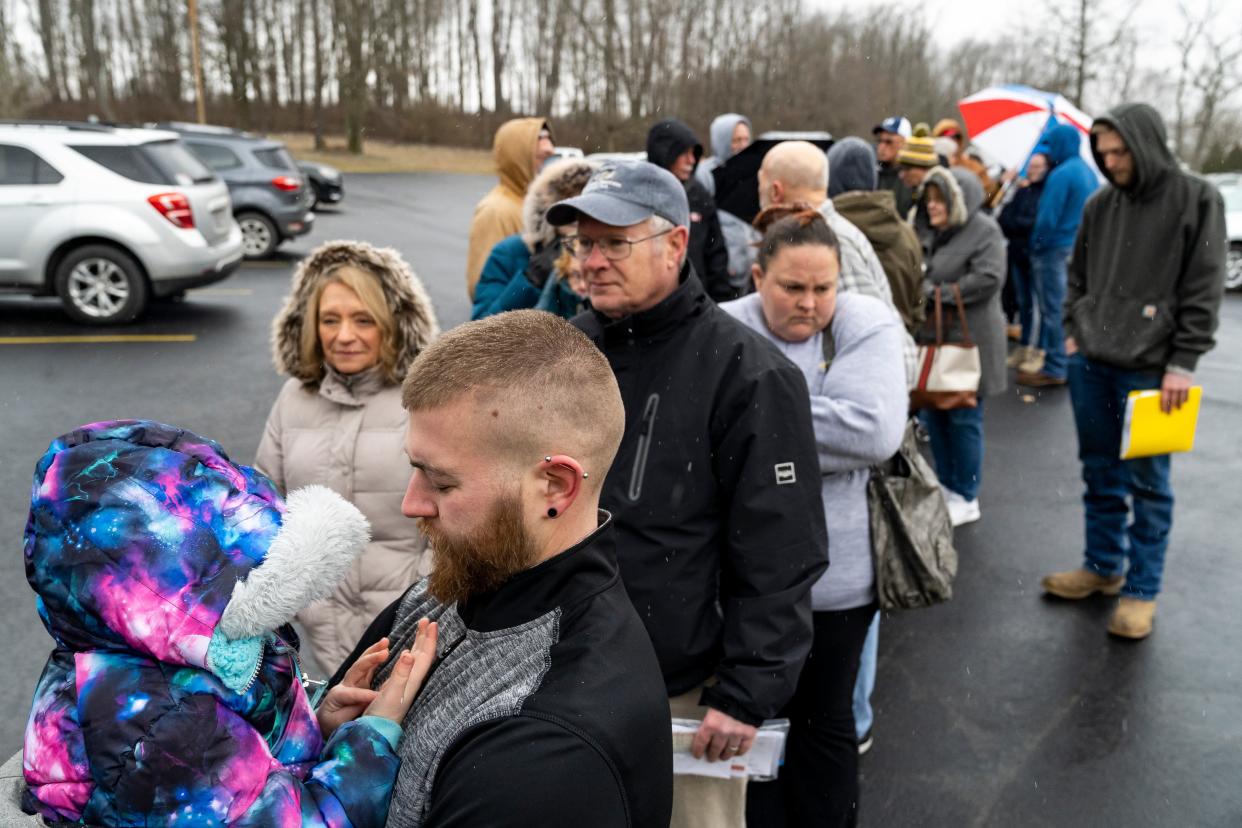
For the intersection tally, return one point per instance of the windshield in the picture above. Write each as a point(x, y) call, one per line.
point(277, 158)
point(178, 162)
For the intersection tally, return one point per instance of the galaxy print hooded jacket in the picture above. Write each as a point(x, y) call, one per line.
point(166, 574)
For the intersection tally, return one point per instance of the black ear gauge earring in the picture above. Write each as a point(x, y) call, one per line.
point(552, 513)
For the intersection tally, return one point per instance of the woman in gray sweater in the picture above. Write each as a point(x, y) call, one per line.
point(849, 348)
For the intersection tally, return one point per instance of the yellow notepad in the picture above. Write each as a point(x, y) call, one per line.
point(1148, 431)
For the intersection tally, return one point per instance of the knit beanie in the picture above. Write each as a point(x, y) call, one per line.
point(918, 151)
point(851, 166)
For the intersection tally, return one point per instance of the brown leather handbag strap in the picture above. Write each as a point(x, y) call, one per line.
point(961, 313)
point(939, 313)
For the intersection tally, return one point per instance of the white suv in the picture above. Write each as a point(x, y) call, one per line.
point(107, 217)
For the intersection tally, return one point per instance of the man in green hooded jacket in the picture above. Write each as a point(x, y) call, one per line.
point(1144, 290)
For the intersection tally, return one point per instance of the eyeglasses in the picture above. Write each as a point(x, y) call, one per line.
point(614, 248)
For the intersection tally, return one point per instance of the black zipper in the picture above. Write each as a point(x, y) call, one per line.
point(645, 436)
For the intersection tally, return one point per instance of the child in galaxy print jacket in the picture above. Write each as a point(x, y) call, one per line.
point(166, 574)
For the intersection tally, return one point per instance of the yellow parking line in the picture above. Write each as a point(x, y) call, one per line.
point(93, 339)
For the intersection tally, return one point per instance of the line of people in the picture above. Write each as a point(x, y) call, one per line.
point(657, 509)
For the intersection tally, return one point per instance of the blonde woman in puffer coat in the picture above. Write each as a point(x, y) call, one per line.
point(354, 321)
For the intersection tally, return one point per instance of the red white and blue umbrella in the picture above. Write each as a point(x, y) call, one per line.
point(1008, 121)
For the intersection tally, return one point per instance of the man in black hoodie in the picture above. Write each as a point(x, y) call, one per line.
point(1145, 286)
point(673, 145)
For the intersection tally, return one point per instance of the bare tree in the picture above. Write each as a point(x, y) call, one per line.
point(51, 39)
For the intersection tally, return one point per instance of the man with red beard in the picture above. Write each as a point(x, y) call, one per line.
point(546, 705)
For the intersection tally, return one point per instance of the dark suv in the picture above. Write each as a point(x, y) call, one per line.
point(271, 199)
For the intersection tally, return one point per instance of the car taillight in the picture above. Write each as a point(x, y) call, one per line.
point(287, 183)
point(175, 207)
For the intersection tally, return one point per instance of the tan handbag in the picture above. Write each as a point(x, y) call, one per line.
point(949, 372)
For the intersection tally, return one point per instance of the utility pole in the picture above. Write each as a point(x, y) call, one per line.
point(196, 64)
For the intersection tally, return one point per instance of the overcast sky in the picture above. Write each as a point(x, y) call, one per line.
point(1158, 21)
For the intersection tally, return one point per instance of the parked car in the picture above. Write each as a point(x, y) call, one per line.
point(601, 157)
point(563, 153)
point(271, 200)
point(1230, 186)
point(326, 183)
point(105, 218)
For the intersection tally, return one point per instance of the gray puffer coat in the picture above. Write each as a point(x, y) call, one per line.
point(971, 253)
point(347, 433)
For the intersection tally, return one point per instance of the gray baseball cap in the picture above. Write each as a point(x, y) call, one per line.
point(621, 193)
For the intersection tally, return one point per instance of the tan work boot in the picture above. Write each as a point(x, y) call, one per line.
point(1132, 618)
point(1081, 583)
point(1034, 362)
point(1020, 355)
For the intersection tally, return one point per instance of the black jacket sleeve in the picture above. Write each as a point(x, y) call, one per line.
point(1076, 273)
point(716, 259)
point(776, 544)
point(1202, 283)
point(523, 771)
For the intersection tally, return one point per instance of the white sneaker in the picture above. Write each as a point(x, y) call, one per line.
point(961, 510)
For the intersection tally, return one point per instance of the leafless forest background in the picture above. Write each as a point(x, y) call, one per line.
point(448, 71)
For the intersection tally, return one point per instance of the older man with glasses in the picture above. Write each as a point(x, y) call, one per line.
point(715, 488)
point(890, 136)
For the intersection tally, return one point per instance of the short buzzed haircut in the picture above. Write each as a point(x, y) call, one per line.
point(541, 385)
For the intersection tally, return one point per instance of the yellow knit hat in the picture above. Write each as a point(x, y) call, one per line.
point(918, 151)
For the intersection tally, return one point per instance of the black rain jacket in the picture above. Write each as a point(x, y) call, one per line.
point(716, 497)
point(1148, 269)
point(708, 253)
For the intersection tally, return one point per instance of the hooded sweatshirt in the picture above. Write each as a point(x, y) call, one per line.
point(721, 134)
point(166, 576)
point(1066, 190)
point(739, 236)
point(707, 255)
point(347, 433)
point(499, 214)
point(1148, 268)
point(852, 185)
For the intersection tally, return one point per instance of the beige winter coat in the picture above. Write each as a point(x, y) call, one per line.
point(347, 433)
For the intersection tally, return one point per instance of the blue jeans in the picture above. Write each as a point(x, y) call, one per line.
point(865, 683)
point(1098, 392)
point(957, 447)
point(1024, 295)
point(1048, 270)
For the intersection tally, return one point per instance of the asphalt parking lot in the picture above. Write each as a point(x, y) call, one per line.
point(1001, 708)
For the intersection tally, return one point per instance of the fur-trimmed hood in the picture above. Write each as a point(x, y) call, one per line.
point(950, 186)
point(558, 181)
point(411, 308)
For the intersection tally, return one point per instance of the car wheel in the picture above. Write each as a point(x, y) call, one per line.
point(259, 236)
point(101, 285)
point(1233, 267)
